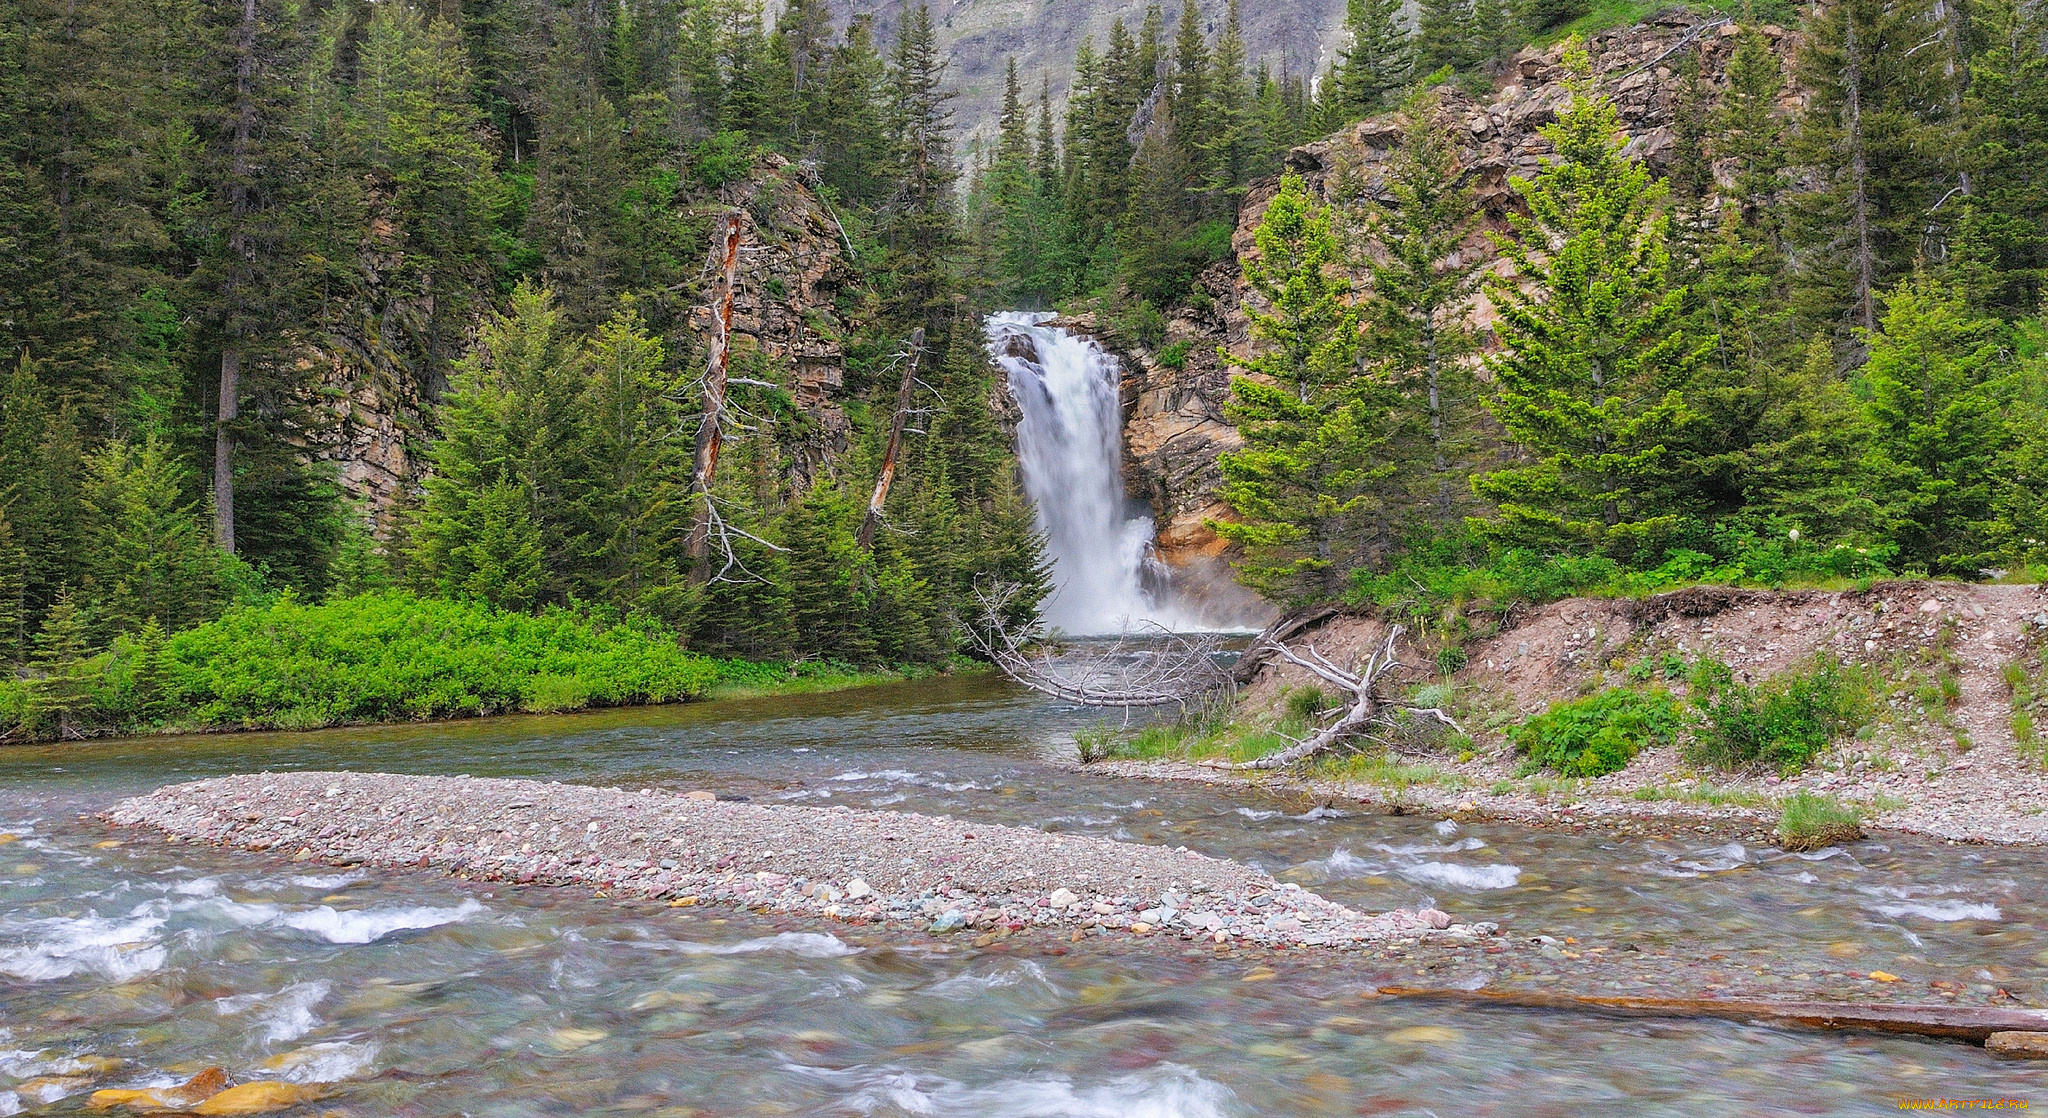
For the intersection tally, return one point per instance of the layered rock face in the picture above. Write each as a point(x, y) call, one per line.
point(1175, 394)
point(788, 329)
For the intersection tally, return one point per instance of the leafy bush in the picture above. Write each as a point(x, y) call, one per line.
point(1598, 735)
point(1304, 703)
point(1810, 822)
point(378, 657)
point(1782, 722)
point(1175, 356)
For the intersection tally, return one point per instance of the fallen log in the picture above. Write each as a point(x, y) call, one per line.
point(1971, 1023)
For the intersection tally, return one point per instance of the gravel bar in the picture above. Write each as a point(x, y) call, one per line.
point(871, 867)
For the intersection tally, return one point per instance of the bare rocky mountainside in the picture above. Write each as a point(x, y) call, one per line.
point(979, 35)
point(1175, 424)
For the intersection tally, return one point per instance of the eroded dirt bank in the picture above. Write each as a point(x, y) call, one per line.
point(1939, 757)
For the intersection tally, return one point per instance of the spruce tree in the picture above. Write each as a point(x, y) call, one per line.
point(918, 224)
point(60, 686)
point(1876, 132)
point(1934, 384)
point(1232, 149)
point(14, 627)
point(1306, 486)
point(149, 555)
point(1594, 353)
point(629, 496)
point(1443, 35)
point(1378, 62)
point(1420, 336)
point(2002, 237)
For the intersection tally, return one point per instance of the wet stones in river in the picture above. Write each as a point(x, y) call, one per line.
point(877, 867)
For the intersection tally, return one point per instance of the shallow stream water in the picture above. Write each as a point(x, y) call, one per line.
point(418, 994)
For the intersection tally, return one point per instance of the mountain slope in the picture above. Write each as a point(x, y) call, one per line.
point(978, 35)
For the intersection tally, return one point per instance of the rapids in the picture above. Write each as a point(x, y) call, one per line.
point(418, 994)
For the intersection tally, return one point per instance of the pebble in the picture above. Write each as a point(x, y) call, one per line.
point(900, 869)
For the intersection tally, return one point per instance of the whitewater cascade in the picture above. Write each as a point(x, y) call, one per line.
point(1070, 442)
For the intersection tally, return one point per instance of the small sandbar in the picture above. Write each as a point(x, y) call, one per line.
point(873, 867)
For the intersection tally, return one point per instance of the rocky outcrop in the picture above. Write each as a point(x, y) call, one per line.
point(787, 319)
point(788, 329)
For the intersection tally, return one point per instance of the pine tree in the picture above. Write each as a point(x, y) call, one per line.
point(1187, 100)
point(854, 150)
point(1422, 282)
point(1306, 485)
point(1594, 352)
point(1378, 62)
point(1803, 467)
point(831, 580)
point(419, 129)
point(1933, 380)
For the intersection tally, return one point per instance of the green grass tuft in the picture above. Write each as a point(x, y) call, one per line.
point(1810, 822)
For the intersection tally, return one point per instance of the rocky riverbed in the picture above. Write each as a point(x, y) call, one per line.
point(874, 867)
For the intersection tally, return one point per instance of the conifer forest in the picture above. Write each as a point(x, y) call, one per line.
point(326, 318)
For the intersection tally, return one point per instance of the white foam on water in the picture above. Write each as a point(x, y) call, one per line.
point(1009, 975)
point(287, 1014)
point(372, 924)
point(113, 948)
point(1165, 1091)
point(1343, 863)
point(1946, 911)
point(200, 887)
point(1315, 813)
point(894, 776)
point(1457, 847)
point(885, 801)
point(807, 945)
point(1256, 815)
point(329, 1062)
point(10, 1104)
point(1462, 877)
point(1715, 859)
point(1447, 827)
point(329, 881)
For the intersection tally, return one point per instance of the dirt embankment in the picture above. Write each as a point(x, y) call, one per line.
point(1940, 756)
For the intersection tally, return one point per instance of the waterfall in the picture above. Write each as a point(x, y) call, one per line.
point(1070, 445)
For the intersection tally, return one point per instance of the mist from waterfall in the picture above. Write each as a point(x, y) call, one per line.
point(1070, 444)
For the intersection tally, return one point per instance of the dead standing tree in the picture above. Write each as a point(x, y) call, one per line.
point(710, 430)
point(880, 498)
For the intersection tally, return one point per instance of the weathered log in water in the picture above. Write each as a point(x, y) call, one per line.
point(1972, 1023)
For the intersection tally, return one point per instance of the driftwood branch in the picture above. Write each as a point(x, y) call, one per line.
point(1955, 1022)
point(1364, 709)
point(1150, 665)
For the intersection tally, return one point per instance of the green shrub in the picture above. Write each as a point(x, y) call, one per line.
point(1175, 356)
point(1451, 659)
point(376, 658)
point(1810, 822)
point(1304, 703)
point(1599, 734)
point(1780, 723)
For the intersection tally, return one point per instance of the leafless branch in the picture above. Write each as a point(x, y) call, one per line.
point(1149, 665)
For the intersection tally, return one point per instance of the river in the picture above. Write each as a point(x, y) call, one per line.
point(418, 994)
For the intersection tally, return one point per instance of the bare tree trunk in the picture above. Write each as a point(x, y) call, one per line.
point(873, 519)
point(710, 428)
point(234, 329)
point(1859, 176)
point(1366, 707)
